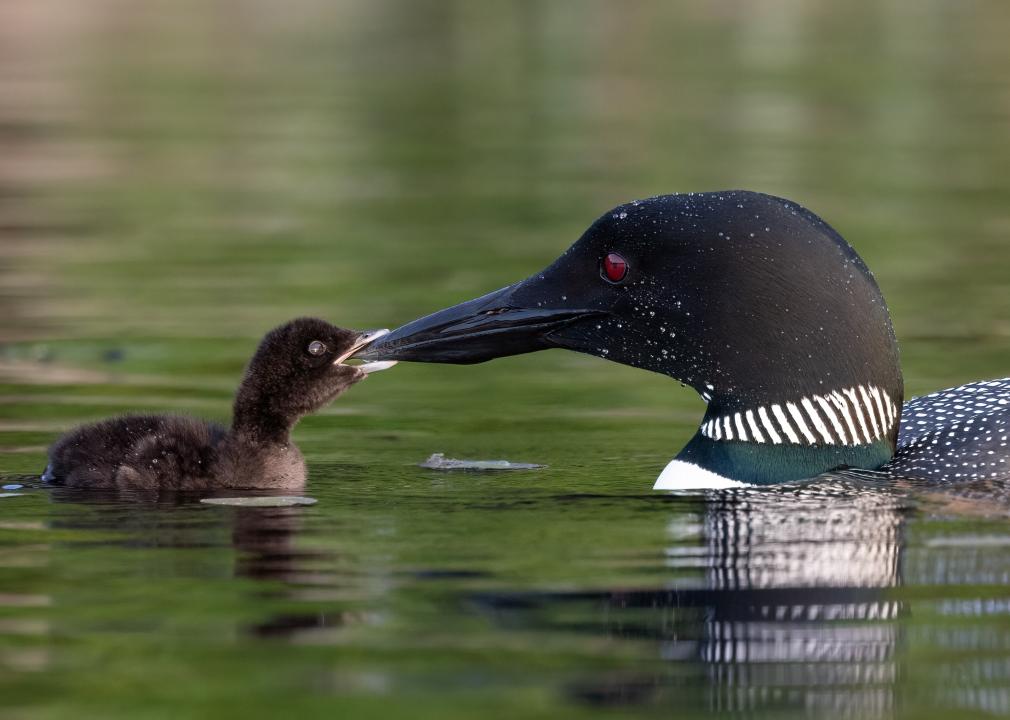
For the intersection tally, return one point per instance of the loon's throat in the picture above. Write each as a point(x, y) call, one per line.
point(859, 415)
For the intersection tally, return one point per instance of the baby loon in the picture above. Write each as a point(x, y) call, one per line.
point(766, 312)
point(297, 369)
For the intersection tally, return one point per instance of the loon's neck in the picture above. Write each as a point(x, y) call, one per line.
point(796, 438)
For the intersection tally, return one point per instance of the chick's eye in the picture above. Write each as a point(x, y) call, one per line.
point(614, 267)
point(316, 348)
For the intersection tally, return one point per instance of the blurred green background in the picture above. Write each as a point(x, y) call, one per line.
point(178, 177)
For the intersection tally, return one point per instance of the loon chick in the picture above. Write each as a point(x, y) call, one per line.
point(764, 310)
point(297, 369)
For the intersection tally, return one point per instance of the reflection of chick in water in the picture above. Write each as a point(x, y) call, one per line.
point(264, 541)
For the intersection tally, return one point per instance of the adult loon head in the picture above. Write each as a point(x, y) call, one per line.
point(752, 300)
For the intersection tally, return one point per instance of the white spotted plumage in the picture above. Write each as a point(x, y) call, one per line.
point(958, 434)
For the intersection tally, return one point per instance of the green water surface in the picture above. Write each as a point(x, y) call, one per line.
point(178, 177)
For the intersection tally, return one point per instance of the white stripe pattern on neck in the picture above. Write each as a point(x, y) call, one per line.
point(853, 416)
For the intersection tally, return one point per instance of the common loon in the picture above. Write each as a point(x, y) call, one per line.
point(298, 368)
point(763, 309)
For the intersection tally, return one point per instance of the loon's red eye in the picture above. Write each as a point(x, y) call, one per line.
point(615, 267)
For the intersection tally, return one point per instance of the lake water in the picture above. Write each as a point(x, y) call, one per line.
point(177, 178)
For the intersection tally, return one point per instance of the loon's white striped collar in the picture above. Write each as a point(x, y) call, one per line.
point(852, 416)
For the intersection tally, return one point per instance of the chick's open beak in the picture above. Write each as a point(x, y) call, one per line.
point(363, 340)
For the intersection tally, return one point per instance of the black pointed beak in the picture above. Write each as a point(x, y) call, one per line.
point(495, 325)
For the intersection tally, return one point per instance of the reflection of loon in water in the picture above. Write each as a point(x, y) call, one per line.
point(792, 606)
point(772, 539)
point(804, 613)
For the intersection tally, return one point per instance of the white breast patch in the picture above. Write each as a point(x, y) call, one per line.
point(680, 475)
